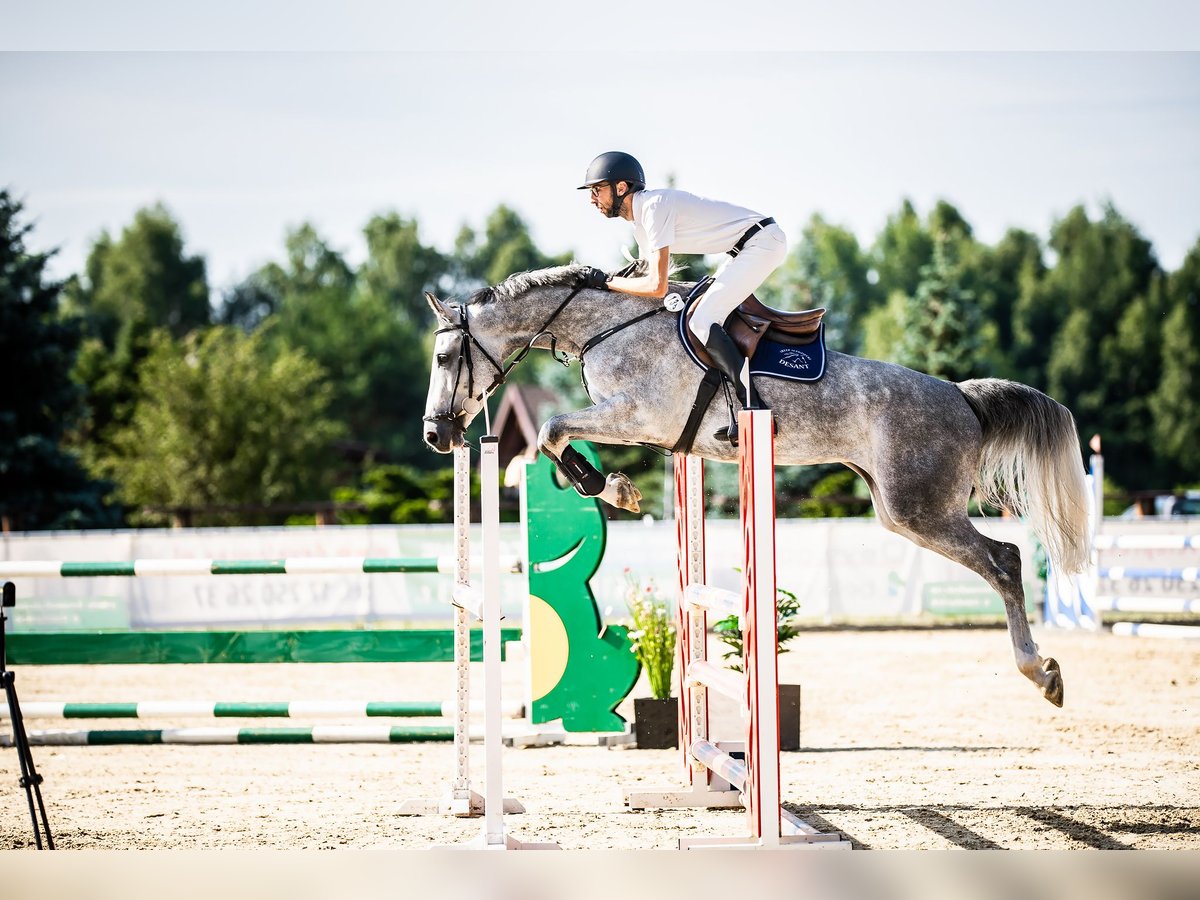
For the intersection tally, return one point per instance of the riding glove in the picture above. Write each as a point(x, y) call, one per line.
point(594, 278)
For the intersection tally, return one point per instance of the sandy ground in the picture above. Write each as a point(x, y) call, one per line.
point(911, 739)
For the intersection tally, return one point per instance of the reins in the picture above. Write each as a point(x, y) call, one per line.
point(473, 404)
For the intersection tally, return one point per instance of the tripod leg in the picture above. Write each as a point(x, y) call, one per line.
point(31, 781)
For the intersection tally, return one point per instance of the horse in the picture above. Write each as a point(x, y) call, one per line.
point(921, 444)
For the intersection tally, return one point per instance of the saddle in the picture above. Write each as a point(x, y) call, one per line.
point(752, 321)
point(748, 325)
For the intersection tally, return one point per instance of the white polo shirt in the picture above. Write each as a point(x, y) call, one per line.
point(687, 223)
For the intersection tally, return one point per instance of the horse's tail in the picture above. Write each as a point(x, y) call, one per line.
point(1031, 465)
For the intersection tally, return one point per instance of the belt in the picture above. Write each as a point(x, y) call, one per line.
point(750, 232)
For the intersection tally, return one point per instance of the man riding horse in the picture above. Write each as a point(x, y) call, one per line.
point(665, 219)
point(922, 445)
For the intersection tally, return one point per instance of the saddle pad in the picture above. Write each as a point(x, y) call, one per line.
point(805, 362)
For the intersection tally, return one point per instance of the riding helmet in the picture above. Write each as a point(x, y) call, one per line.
point(612, 167)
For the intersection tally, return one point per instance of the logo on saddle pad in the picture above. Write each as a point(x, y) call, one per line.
point(795, 359)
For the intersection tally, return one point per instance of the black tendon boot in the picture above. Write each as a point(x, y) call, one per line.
point(732, 363)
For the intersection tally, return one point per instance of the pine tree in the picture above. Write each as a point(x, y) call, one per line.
point(1176, 402)
point(41, 484)
point(940, 324)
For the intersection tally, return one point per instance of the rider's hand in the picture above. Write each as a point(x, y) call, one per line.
point(593, 278)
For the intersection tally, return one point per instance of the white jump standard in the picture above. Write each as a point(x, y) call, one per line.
point(459, 800)
point(716, 778)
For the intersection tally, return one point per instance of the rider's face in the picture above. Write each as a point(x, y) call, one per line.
point(602, 196)
point(598, 194)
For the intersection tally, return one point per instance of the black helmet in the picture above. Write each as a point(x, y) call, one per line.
point(612, 167)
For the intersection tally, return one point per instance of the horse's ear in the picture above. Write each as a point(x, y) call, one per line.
point(438, 307)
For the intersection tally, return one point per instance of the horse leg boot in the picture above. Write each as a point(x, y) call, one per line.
point(735, 367)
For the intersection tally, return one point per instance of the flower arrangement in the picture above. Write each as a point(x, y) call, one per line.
point(653, 632)
point(729, 633)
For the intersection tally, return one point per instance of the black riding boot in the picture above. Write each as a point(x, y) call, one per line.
point(731, 362)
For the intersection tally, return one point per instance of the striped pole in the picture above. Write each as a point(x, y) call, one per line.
point(301, 565)
point(759, 643)
point(251, 709)
point(489, 501)
point(462, 799)
point(1152, 629)
point(327, 734)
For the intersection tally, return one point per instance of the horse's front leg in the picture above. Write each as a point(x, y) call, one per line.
point(609, 422)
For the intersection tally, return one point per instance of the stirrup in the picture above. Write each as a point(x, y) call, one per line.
point(729, 433)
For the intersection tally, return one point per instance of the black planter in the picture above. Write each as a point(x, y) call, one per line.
point(656, 723)
point(789, 717)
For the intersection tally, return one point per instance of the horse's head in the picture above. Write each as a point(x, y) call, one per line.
point(454, 396)
point(475, 337)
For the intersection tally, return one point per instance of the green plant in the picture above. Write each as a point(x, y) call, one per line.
point(727, 630)
point(652, 634)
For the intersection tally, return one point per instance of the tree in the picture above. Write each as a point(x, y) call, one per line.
point(1175, 403)
point(828, 268)
point(42, 485)
point(901, 250)
point(505, 248)
point(399, 268)
point(142, 281)
point(1002, 277)
point(940, 325)
point(1099, 365)
point(219, 419)
point(145, 277)
point(248, 303)
point(368, 349)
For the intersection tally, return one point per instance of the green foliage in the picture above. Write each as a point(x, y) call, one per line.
point(400, 495)
point(1175, 403)
point(902, 249)
point(359, 333)
point(132, 285)
point(220, 420)
point(399, 268)
point(1105, 356)
point(506, 247)
point(1002, 277)
point(940, 324)
point(142, 278)
point(729, 632)
point(42, 484)
point(827, 268)
point(653, 633)
point(836, 496)
point(881, 329)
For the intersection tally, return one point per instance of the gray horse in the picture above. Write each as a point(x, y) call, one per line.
point(919, 443)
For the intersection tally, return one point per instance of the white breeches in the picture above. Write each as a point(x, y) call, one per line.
point(738, 278)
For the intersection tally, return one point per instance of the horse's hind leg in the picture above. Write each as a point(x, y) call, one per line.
point(953, 536)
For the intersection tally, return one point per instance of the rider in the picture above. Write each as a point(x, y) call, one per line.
point(666, 219)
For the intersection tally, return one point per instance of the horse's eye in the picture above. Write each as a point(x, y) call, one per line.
point(442, 359)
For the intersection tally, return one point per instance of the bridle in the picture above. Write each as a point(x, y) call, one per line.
point(473, 403)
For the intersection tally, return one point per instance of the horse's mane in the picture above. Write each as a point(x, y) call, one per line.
point(516, 285)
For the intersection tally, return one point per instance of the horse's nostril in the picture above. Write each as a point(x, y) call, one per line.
point(431, 437)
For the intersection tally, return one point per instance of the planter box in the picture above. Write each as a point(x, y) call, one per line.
point(656, 723)
point(725, 720)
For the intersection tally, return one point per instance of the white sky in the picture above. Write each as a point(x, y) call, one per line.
point(240, 146)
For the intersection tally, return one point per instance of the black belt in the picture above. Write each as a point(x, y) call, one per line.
point(751, 232)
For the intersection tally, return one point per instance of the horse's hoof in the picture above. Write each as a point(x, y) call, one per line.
point(1052, 690)
point(626, 494)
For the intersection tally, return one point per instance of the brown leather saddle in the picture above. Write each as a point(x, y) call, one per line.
point(752, 321)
